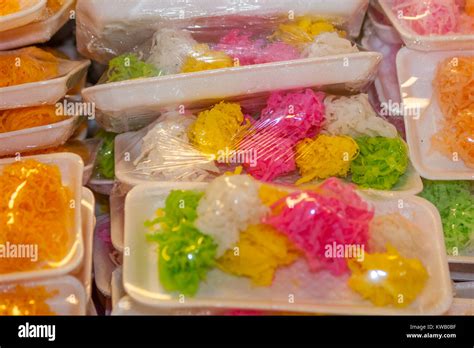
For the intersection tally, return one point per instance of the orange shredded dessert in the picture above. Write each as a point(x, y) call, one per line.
point(9, 6)
point(36, 116)
point(54, 6)
point(470, 7)
point(34, 211)
point(454, 86)
point(22, 300)
point(26, 65)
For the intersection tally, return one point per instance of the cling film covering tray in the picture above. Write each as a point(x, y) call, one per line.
point(308, 283)
point(39, 31)
point(132, 23)
point(436, 89)
point(432, 25)
point(297, 136)
point(48, 228)
point(132, 104)
point(239, 54)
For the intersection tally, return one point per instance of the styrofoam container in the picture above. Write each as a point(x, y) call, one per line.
point(30, 10)
point(102, 186)
point(385, 32)
point(128, 306)
point(462, 306)
point(117, 214)
point(416, 71)
point(93, 145)
point(36, 32)
point(105, 262)
point(71, 167)
point(44, 92)
point(464, 290)
point(117, 222)
point(116, 286)
point(71, 297)
point(426, 42)
point(38, 138)
point(409, 184)
point(84, 273)
point(312, 292)
point(461, 272)
point(462, 259)
point(123, 105)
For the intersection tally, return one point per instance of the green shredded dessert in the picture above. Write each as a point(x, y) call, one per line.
point(185, 255)
point(455, 203)
point(105, 158)
point(128, 67)
point(381, 162)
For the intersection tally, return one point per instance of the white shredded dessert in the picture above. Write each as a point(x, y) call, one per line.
point(396, 230)
point(167, 154)
point(328, 44)
point(355, 117)
point(230, 204)
point(170, 48)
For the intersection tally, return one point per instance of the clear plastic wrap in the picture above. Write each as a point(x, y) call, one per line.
point(238, 48)
point(174, 49)
point(298, 136)
point(104, 167)
point(321, 244)
point(40, 236)
point(455, 203)
point(35, 129)
point(133, 23)
point(57, 13)
point(86, 149)
point(438, 107)
point(433, 24)
point(16, 13)
point(132, 104)
point(33, 76)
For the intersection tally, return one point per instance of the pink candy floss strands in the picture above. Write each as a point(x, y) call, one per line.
point(239, 45)
point(333, 213)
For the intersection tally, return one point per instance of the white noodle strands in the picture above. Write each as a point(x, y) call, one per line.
point(230, 204)
point(170, 49)
point(167, 154)
point(354, 116)
point(328, 44)
point(396, 230)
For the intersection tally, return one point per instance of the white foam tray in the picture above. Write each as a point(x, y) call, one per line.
point(38, 138)
point(123, 103)
point(93, 146)
point(29, 12)
point(71, 297)
point(117, 207)
point(84, 273)
point(102, 263)
point(71, 167)
point(426, 42)
point(462, 306)
point(44, 92)
point(385, 32)
point(102, 186)
point(127, 306)
point(36, 32)
point(313, 292)
point(416, 71)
